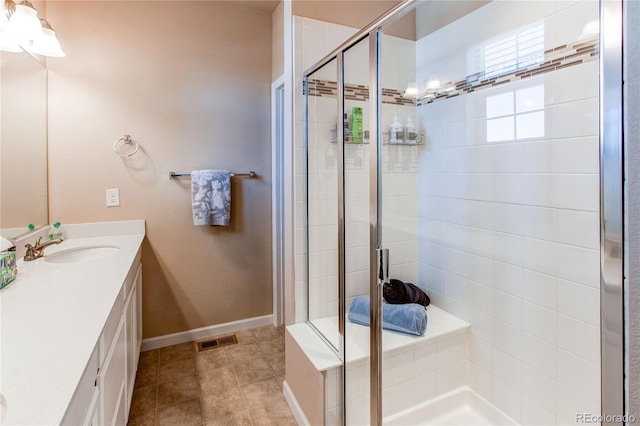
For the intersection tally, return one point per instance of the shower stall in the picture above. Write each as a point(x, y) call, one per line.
point(499, 195)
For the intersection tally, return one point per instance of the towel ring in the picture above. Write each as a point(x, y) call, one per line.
point(127, 140)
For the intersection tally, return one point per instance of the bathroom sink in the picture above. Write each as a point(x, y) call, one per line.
point(81, 254)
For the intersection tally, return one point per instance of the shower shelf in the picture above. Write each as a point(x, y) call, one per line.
point(403, 144)
point(366, 142)
point(333, 138)
point(419, 140)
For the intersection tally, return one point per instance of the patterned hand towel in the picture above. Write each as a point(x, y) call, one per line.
point(211, 197)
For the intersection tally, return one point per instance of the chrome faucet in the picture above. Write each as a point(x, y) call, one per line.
point(37, 251)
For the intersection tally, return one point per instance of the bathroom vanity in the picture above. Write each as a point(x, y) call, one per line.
point(71, 329)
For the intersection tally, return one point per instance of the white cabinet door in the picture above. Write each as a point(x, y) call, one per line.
point(139, 311)
point(92, 417)
point(134, 334)
point(131, 321)
point(112, 377)
point(120, 416)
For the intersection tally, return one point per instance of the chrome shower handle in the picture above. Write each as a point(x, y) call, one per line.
point(382, 267)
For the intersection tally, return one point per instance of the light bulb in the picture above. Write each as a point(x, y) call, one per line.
point(24, 22)
point(411, 90)
point(8, 43)
point(433, 82)
point(47, 44)
point(590, 30)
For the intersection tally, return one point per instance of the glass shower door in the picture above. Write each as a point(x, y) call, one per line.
point(323, 168)
point(357, 202)
point(404, 383)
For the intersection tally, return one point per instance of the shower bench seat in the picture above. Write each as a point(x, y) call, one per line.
point(415, 368)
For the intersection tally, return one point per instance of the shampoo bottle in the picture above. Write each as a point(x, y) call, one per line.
point(396, 131)
point(55, 232)
point(347, 130)
point(410, 131)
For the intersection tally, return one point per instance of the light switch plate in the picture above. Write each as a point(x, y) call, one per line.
point(113, 197)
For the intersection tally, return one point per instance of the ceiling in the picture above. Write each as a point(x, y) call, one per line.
point(265, 5)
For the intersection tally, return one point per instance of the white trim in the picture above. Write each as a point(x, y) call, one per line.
point(293, 404)
point(277, 202)
point(204, 332)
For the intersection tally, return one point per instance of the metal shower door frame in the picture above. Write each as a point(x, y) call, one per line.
point(613, 294)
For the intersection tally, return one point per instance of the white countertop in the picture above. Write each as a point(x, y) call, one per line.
point(52, 316)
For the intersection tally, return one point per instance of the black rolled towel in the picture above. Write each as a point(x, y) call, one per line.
point(397, 292)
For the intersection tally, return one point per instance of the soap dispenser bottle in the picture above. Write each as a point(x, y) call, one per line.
point(396, 130)
point(410, 131)
point(56, 232)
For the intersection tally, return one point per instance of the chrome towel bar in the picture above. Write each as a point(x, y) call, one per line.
point(252, 174)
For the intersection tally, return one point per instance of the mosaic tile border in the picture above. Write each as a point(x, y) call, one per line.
point(356, 92)
point(557, 58)
point(554, 59)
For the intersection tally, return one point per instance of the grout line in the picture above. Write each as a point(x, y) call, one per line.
point(195, 365)
point(157, 419)
point(244, 400)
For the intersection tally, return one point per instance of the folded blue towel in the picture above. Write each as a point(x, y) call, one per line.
point(408, 318)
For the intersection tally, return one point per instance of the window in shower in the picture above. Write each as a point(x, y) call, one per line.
point(516, 115)
point(513, 51)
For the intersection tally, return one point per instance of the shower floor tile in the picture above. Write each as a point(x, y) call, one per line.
point(236, 384)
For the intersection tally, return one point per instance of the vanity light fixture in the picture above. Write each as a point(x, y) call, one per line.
point(47, 44)
point(432, 89)
point(23, 21)
point(590, 31)
point(20, 28)
point(433, 82)
point(8, 43)
point(412, 90)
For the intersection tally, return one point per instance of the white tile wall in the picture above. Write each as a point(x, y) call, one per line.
point(410, 375)
point(532, 232)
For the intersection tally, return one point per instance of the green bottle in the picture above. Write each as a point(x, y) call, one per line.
point(356, 125)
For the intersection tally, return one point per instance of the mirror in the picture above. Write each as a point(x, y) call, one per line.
point(23, 143)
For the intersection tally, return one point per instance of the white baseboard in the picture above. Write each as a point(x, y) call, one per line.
point(205, 332)
point(293, 404)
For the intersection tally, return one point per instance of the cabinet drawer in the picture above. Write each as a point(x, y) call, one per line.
point(112, 377)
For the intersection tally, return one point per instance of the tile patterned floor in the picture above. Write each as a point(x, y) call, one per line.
point(239, 384)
